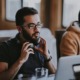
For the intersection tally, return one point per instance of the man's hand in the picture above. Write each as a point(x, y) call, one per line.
point(25, 51)
point(42, 48)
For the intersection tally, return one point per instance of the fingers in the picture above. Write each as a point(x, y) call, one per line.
point(42, 43)
point(43, 40)
point(26, 45)
point(30, 51)
point(42, 48)
point(26, 48)
point(38, 49)
point(25, 51)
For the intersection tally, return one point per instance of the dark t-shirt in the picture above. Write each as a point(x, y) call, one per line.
point(10, 52)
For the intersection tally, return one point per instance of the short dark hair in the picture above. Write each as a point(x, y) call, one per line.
point(24, 12)
point(79, 17)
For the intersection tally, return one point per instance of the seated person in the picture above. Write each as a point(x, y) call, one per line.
point(27, 51)
point(70, 42)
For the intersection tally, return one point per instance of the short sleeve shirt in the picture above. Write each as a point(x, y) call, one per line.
point(10, 52)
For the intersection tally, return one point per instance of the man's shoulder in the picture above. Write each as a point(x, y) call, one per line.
point(9, 42)
point(70, 34)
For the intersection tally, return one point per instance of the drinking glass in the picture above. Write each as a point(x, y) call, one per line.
point(41, 73)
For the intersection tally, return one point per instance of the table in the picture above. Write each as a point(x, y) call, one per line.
point(50, 77)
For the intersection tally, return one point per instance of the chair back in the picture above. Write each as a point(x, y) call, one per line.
point(58, 35)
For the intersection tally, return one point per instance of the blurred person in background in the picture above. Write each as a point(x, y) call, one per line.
point(70, 42)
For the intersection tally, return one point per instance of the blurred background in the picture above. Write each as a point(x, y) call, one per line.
point(54, 14)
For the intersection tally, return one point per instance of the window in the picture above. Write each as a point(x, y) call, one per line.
point(13, 5)
point(70, 11)
point(32, 3)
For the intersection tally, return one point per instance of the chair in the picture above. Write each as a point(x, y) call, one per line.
point(7, 34)
point(58, 34)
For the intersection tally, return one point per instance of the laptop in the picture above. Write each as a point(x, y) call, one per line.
point(67, 67)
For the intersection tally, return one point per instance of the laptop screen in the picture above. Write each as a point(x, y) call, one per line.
point(67, 66)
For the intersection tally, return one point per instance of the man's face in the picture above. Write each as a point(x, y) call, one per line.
point(31, 28)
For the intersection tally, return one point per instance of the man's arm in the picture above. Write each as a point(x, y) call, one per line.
point(44, 51)
point(9, 74)
point(49, 64)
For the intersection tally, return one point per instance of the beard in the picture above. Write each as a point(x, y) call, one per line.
point(29, 38)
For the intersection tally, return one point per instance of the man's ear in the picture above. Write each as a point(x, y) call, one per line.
point(19, 29)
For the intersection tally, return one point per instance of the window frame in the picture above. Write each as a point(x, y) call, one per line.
point(4, 23)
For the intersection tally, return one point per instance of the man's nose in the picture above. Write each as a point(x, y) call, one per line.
point(37, 28)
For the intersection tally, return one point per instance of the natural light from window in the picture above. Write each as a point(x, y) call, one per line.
point(13, 5)
point(70, 11)
point(32, 3)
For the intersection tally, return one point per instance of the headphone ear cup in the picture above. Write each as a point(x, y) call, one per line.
point(31, 46)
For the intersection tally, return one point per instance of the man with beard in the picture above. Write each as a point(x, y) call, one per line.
point(27, 51)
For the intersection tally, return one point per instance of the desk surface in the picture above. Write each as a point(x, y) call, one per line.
point(50, 77)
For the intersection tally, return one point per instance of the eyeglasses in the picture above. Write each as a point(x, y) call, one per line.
point(33, 25)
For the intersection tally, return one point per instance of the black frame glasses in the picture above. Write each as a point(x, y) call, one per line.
point(33, 25)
